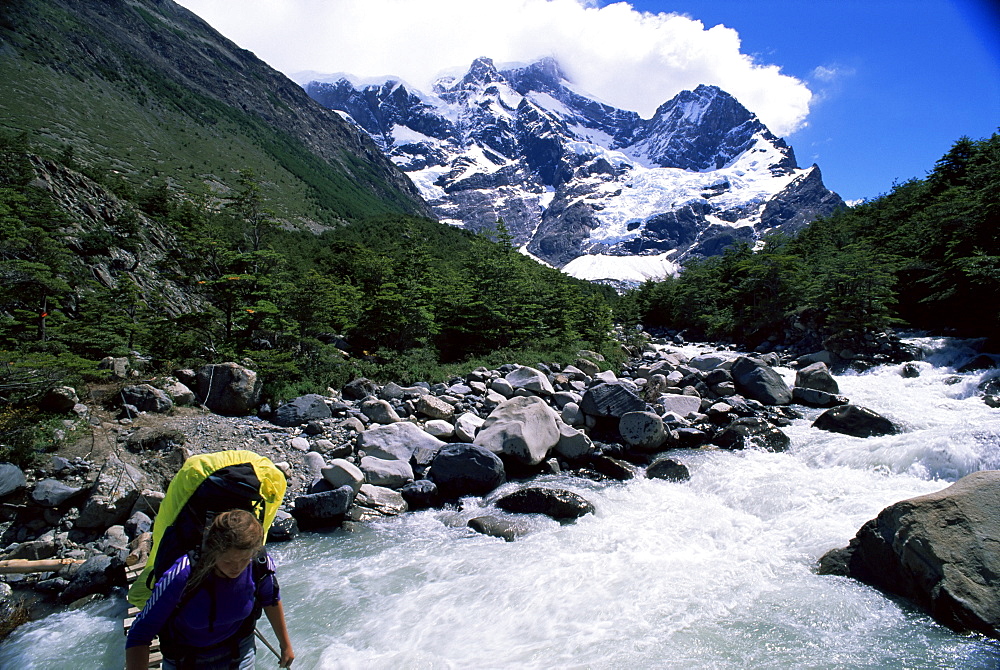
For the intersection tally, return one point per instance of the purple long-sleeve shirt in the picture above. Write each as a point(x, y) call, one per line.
point(194, 624)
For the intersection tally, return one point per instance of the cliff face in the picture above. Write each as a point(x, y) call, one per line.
point(150, 88)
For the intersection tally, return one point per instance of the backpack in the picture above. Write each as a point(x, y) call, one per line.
point(206, 485)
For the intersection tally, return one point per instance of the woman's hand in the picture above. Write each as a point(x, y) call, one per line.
point(287, 656)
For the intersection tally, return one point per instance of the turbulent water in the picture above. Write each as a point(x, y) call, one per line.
point(716, 572)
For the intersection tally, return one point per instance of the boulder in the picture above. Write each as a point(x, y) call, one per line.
point(420, 494)
point(756, 380)
point(855, 420)
point(524, 427)
point(359, 389)
point(35, 550)
point(376, 502)
point(558, 504)
point(379, 411)
point(284, 528)
point(980, 362)
point(302, 410)
point(96, 575)
point(752, 432)
point(611, 467)
point(495, 526)
point(179, 393)
point(341, 472)
point(814, 398)
point(403, 441)
point(388, 473)
point(669, 470)
point(119, 366)
point(112, 496)
point(466, 470)
point(642, 430)
point(137, 524)
point(572, 415)
point(572, 443)
point(530, 379)
point(681, 405)
point(60, 399)
point(433, 407)
point(323, 509)
point(938, 550)
point(147, 398)
point(614, 398)
point(11, 479)
point(314, 464)
point(52, 492)
point(439, 428)
point(587, 366)
point(502, 387)
point(909, 370)
point(229, 389)
point(817, 376)
point(710, 361)
point(467, 426)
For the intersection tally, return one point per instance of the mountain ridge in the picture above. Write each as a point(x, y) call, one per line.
point(561, 169)
point(139, 84)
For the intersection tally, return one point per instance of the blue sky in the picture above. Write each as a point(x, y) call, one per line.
point(873, 91)
point(903, 80)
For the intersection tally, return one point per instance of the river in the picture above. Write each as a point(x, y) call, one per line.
point(716, 572)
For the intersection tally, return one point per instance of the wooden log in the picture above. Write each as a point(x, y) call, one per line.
point(140, 548)
point(26, 566)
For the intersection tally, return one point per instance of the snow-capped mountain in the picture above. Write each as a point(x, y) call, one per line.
point(595, 190)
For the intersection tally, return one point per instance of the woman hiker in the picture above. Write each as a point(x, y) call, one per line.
point(205, 610)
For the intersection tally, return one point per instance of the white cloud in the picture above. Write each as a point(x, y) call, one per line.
point(629, 59)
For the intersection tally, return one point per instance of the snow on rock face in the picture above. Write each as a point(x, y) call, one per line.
point(582, 185)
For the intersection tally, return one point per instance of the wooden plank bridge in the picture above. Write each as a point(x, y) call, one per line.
point(132, 573)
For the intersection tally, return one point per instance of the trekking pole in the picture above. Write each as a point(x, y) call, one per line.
point(267, 644)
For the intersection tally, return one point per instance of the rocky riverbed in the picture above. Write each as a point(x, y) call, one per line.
point(369, 451)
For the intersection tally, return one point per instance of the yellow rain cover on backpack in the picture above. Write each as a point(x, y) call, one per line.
point(192, 474)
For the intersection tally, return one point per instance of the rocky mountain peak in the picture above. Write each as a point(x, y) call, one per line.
point(574, 177)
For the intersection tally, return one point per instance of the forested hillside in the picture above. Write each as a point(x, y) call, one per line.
point(925, 255)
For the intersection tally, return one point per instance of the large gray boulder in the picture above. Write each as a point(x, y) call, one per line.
point(112, 496)
point(855, 420)
point(643, 430)
point(302, 410)
point(11, 479)
point(147, 398)
point(814, 398)
point(558, 504)
point(939, 550)
point(403, 441)
point(229, 389)
point(52, 492)
point(752, 432)
point(524, 427)
point(611, 399)
point(817, 376)
point(96, 575)
point(379, 411)
point(466, 470)
point(60, 399)
point(388, 473)
point(759, 381)
point(323, 509)
point(377, 502)
point(530, 379)
point(681, 405)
